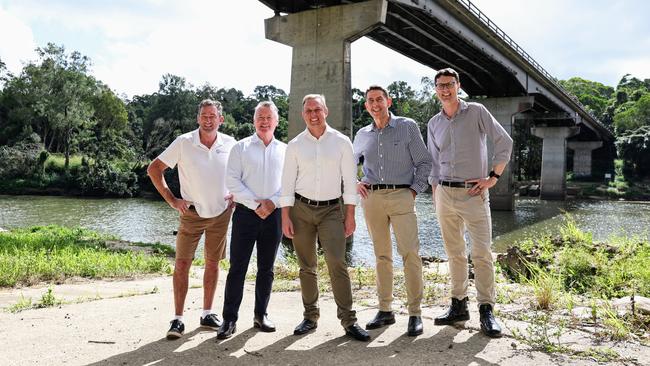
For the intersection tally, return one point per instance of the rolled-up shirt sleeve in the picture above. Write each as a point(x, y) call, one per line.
point(434, 176)
point(289, 175)
point(498, 135)
point(421, 159)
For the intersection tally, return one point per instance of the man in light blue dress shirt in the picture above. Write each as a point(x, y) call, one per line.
point(253, 177)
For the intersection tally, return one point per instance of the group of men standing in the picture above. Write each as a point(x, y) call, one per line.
point(308, 190)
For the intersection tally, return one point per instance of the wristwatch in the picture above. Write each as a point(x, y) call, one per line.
point(493, 174)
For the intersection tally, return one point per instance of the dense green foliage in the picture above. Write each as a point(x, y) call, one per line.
point(55, 109)
point(52, 254)
point(624, 110)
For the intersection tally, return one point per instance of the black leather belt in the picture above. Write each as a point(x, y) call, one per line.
point(374, 187)
point(447, 183)
point(317, 203)
point(242, 206)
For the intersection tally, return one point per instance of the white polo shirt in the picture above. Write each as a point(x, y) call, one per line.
point(201, 171)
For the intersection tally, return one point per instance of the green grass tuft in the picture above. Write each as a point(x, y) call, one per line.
point(53, 254)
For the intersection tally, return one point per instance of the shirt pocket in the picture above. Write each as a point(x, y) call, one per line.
point(397, 151)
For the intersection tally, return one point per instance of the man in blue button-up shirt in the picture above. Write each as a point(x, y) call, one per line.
point(253, 178)
point(396, 165)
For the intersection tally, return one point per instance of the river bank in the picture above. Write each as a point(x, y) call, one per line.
point(87, 321)
point(124, 323)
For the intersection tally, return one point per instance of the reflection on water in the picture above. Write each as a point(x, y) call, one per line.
point(149, 221)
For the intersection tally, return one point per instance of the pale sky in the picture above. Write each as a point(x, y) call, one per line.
point(133, 43)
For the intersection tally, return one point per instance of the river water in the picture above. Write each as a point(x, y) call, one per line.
point(150, 220)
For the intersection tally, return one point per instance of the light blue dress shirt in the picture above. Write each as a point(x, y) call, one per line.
point(255, 171)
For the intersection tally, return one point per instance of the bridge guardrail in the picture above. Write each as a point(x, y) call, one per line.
point(506, 38)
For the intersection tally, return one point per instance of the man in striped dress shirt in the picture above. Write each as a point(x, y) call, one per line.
point(396, 165)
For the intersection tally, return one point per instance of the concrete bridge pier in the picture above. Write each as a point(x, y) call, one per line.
point(504, 110)
point(582, 156)
point(321, 41)
point(553, 180)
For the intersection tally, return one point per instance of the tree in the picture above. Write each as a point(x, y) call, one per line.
point(636, 115)
point(58, 90)
point(594, 95)
point(634, 148)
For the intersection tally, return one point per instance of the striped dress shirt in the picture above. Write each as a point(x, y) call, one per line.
point(395, 154)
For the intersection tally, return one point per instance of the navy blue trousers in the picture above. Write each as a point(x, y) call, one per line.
point(248, 229)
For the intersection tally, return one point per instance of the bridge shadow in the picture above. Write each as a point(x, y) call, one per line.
point(439, 348)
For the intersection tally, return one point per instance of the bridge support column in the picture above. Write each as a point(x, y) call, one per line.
point(582, 156)
point(504, 110)
point(321, 41)
point(553, 180)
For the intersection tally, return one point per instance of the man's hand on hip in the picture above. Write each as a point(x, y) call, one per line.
point(230, 199)
point(482, 184)
point(362, 189)
point(180, 205)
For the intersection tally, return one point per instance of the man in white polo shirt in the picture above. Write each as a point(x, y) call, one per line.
point(201, 156)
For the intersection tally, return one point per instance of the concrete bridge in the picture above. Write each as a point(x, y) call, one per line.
point(494, 70)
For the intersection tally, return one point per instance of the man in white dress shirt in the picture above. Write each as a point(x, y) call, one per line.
point(253, 178)
point(316, 162)
point(201, 156)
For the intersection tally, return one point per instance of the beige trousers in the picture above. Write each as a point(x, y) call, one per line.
point(395, 208)
point(324, 223)
point(457, 211)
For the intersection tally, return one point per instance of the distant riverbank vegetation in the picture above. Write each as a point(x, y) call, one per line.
point(64, 132)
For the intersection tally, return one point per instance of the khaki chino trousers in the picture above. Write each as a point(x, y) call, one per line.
point(325, 223)
point(456, 212)
point(395, 208)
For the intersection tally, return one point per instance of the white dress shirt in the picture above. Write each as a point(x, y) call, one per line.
point(201, 171)
point(314, 168)
point(255, 171)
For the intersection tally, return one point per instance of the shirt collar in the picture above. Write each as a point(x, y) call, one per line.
point(391, 122)
point(196, 140)
point(256, 139)
point(328, 130)
point(462, 106)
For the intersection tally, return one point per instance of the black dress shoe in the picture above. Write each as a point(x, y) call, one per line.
point(457, 312)
point(382, 318)
point(305, 326)
point(227, 329)
point(489, 325)
point(263, 323)
point(358, 333)
point(415, 326)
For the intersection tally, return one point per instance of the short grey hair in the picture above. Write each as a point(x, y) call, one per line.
point(267, 104)
point(314, 96)
point(208, 103)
